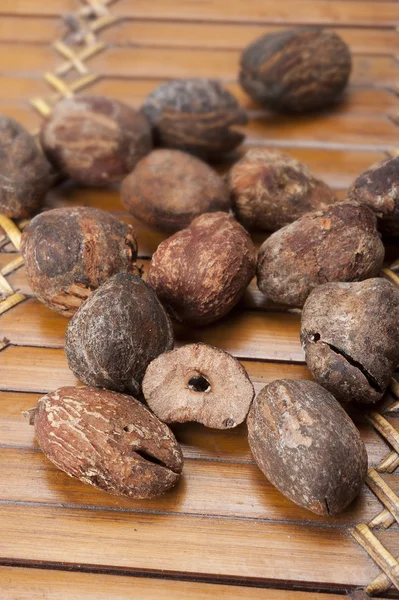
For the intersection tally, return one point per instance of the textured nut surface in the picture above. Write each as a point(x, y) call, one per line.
point(340, 243)
point(201, 272)
point(199, 383)
point(196, 115)
point(350, 334)
point(94, 139)
point(69, 252)
point(270, 190)
point(378, 187)
point(297, 70)
point(169, 188)
point(307, 446)
point(107, 440)
point(116, 333)
point(24, 171)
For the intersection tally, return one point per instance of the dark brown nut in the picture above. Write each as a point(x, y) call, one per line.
point(270, 189)
point(340, 243)
point(24, 171)
point(307, 446)
point(198, 383)
point(69, 252)
point(107, 440)
point(201, 272)
point(196, 115)
point(378, 187)
point(169, 188)
point(95, 140)
point(349, 332)
point(116, 333)
point(298, 70)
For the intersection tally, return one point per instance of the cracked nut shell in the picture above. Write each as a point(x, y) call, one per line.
point(307, 446)
point(349, 332)
point(270, 190)
point(107, 440)
point(378, 187)
point(169, 188)
point(95, 140)
point(25, 174)
point(198, 383)
point(201, 272)
point(196, 115)
point(69, 252)
point(116, 333)
point(340, 243)
point(298, 70)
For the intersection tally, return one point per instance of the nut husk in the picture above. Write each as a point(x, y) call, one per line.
point(307, 446)
point(107, 440)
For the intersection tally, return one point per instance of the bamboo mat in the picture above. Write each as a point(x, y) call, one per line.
point(224, 531)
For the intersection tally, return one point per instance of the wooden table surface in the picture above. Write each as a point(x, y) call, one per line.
point(224, 531)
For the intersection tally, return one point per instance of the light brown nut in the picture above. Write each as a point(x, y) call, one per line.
point(107, 440)
point(201, 272)
point(69, 252)
point(198, 383)
point(270, 190)
point(307, 446)
point(340, 243)
point(169, 188)
point(349, 332)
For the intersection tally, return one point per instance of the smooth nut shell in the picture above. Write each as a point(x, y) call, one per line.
point(201, 272)
point(340, 243)
point(107, 440)
point(170, 391)
point(69, 252)
point(270, 190)
point(169, 188)
point(349, 332)
point(116, 333)
point(307, 446)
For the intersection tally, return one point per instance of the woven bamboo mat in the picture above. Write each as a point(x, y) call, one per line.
point(224, 531)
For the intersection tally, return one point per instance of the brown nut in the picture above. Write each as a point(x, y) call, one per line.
point(169, 188)
point(198, 383)
point(307, 446)
point(69, 252)
point(349, 334)
point(201, 272)
point(270, 189)
point(298, 70)
point(95, 140)
point(116, 333)
point(24, 171)
point(196, 115)
point(107, 440)
point(378, 187)
point(340, 243)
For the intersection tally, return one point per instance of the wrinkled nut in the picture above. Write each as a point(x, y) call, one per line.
point(24, 171)
point(107, 440)
point(340, 243)
point(95, 140)
point(378, 187)
point(349, 334)
point(169, 188)
point(307, 446)
point(297, 70)
point(270, 190)
point(196, 115)
point(116, 333)
point(69, 252)
point(198, 383)
point(201, 272)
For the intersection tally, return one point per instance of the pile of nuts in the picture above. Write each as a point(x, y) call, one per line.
point(322, 255)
